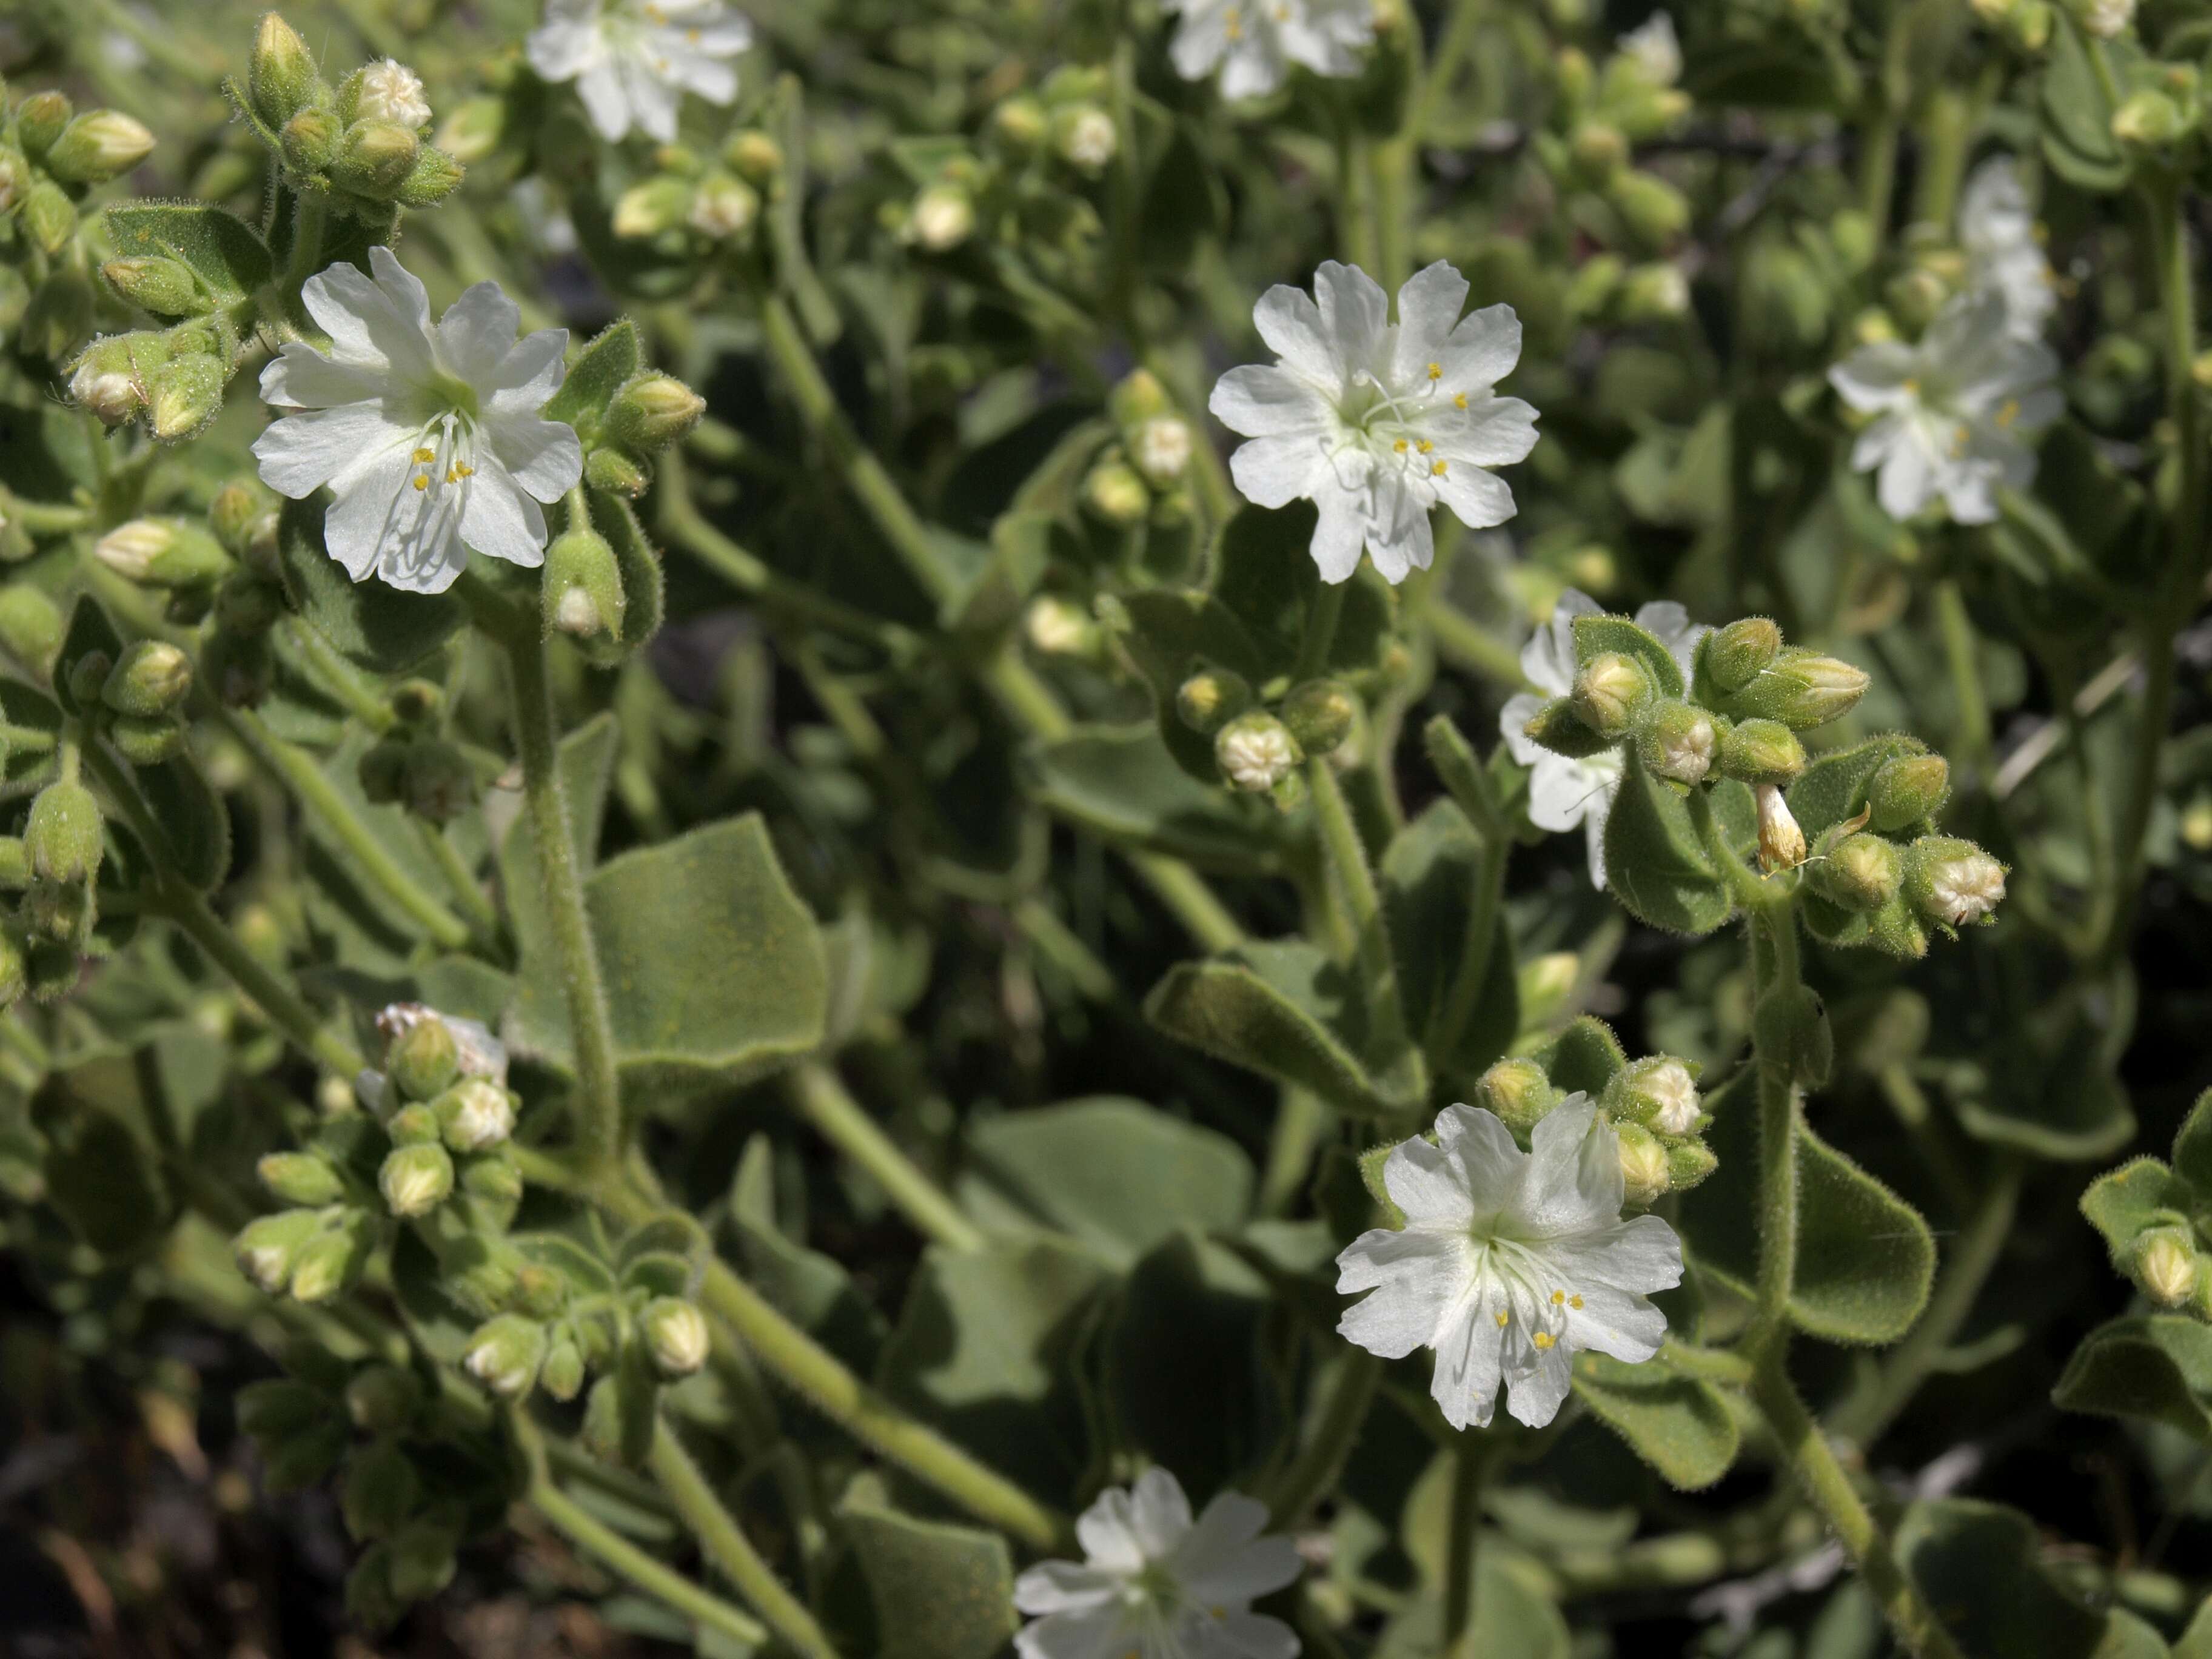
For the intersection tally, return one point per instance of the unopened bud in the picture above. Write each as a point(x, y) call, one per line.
point(108, 378)
point(424, 1060)
point(30, 625)
point(1320, 714)
point(1781, 842)
point(943, 217)
point(334, 1258)
point(475, 1114)
point(416, 1180)
point(1256, 751)
point(1161, 448)
point(2166, 1265)
point(40, 119)
point(374, 157)
point(437, 784)
point(582, 588)
point(416, 1125)
point(1058, 628)
point(1654, 210)
point(15, 177)
point(1643, 1164)
point(162, 552)
point(383, 1399)
point(647, 209)
point(268, 1249)
point(615, 470)
point(1654, 293)
point(163, 286)
point(300, 1178)
point(722, 207)
point(2104, 19)
point(50, 217)
point(1733, 656)
point(152, 679)
point(185, 394)
point(675, 1335)
point(1518, 1093)
point(98, 146)
point(1677, 740)
point(757, 158)
point(310, 140)
point(2149, 120)
point(1138, 399)
point(63, 838)
point(1117, 494)
point(1609, 691)
point(435, 176)
point(505, 1353)
point(1084, 136)
point(280, 73)
point(389, 91)
point(1906, 790)
point(1211, 698)
point(653, 411)
point(1953, 881)
point(562, 1373)
point(1761, 752)
point(1862, 872)
point(1600, 150)
point(1813, 688)
point(1021, 124)
point(1658, 1091)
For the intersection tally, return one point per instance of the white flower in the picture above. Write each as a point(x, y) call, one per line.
point(1997, 228)
point(1670, 1084)
point(1255, 41)
point(1951, 409)
point(389, 91)
point(428, 435)
point(1655, 49)
point(1375, 421)
point(476, 1050)
point(1256, 751)
point(1156, 1585)
point(1510, 1262)
point(1967, 888)
point(1563, 792)
point(633, 60)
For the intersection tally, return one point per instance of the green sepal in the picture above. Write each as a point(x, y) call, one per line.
point(1371, 1161)
point(1558, 727)
point(1597, 635)
point(2142, 1193)
point(1586, 1056)
point(601, 370)
point(1833, 788)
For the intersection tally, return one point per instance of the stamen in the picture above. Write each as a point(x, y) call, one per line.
point(1439, 469)
point(464, 471)
point(1503, 1319)
point(1424, 446)
point(426, 454)
point(1543, 1339)
point(1436, 371)
point(1460, 401)
point(1400, 446)
point(693, 37)
point(1912, 385)
point(1574, 1302)
point(1557, 1297)
point(422, 481)
point(1232, 25)
point(2008, 411)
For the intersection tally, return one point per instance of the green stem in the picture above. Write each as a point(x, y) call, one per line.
point(1315, 1469)
point(1469, 1459)
point(335, 675)
point(1301, 1118)
point(189, 912)
point(598, 1085)
point(1475, 950)
point(1778, 1147)
point(1189, 899)
point(727, 1547)
point(296, 770)
point(1813, 1462)
point(1469, 647)
point(468, 891)
point(1962, 656)
point(1320, 630)
point(313, 214)
point(1909, 1103)
point(48, 518)
point(1378, 967)
point(821, 1098)
point(1878, 145)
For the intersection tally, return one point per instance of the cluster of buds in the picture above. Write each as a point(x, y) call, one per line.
point(172, 378)
point(360, 145)
point(50, 156)
point(2156, 1218)
point(2027, 23)
point(1607, 289)
point(2163, 111)
point(1654, 1107)
point(54, 867)
point(1139, 482)
point(1260, 750)
point(410, 1511)
point(1036, 146)
point(650, 412)
point(413, 766)
point(692, 204)
point(1602, 114)
point(1064, 123)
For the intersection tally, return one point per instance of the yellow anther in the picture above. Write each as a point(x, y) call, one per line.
point(422, 481)
point(426, 454)
point(1557, 1297)
point(1543, 1339)
point(1400, 446)
point(1912, 385)
point(1424, 446)
point(465, 472)
point(2008, 411)
point(655, 14)
point(1574, 1302)
point(1232, 25)
point(1439, 469)
point(452, 475)
point(1436, 371)
point(1503, 1317)
point(693, 36)
point(1460, 401)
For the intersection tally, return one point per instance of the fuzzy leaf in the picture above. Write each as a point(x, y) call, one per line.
point(1264, 573)
point(941, 1591)
point(1430, 876)
point(221, 249)
point(1680, 1425)
point(2055, 1094)
point(191, 818)
point(1979, 1567)
point(810, 1289)
point(2120, 1203)
point(610, 359)
point(2158, 1368)
point(1283, 1010)
point(2192, 1147)
point(371, 624)
point(1655, 864)
point(90, 630)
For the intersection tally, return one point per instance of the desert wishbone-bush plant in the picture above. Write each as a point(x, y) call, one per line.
point(789, 796)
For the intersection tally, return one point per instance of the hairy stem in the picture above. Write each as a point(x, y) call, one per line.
point(1378, 968)
point(189, 912)
point(1315, 1469)
point(821, 1098)
point(1469, 1458)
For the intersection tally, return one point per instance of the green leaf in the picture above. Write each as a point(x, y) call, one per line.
point(370, 623)
point(1979, 1567)
point(26, 709)
point(1680, 1425)
point(1175, 633)
point(1655, 864)
point(2192, 1147)
point(599, 373)
point(1122, 782)
point(1114, 1174)
point(983, 1349)
point(2077, 116)
point(222, 251)
point(1264, 573)
point(2158, 1368)
point(1192, 1309)
point(645, 589)
point(1864, 1256)
point(1597, 635)
point(941, 1591)
point(2055, 1094)
point(1583, 1056)
point(1284, 1011)
point(1023, 547)
point(1430, 876)
point(191, 819)
point(2142, 1193)
point(101, 1180)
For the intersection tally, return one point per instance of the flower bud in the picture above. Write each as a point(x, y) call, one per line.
point(615, 470)
point(1320, 714)
point(1211, 698)
point(1518, 1093)
point(1952, 881)
point(1083, 136)
point(475, 1114)
point(943, 216)
point(562, 1373)
point(1058, 628)
point(1863, 873)
point(757, 158)
point(416, 1180)
point(2104, 19)
point(417, 701)
point(1256, 751)
point(1658, 1091)
point(268, 1249)
point(722, 207)
point(40, 119)
point(108, 377)
point(414, 1126)
point(423, 1058)
point(60, 914)
point(162, 553)
point(310, 141)
point(1654, 210)
point(15, 177)
point(184, 395)
point(435, 176)
point(87, 674)
point(1689, 1162)
point(654, 411)
point(98, 146)
point(241, 515)
point(152, 679)
point(2166, 1265)
point(1021, 124)
point(1600, 150)
point(675, 1335)
point(50, 218)
point(1781, 842)
point(1644, 1175)
point(333, 1260)
point(383, 1399)
point(30, 625)
point(63, 838)
point(163, 286)
point(1609, 691)
point(1654, 293)
point(300, 1178)
point(1677, 740)
point(389, 91)
point(1733, 656)
point(2149, 120)
point(436, 783)
point(645, 210)
point(1114, 493)
point(1906, 790)
point(1811, 689)
point(473, 130)
point(505, 1353)
point(496, 1181)
point(582, 589)
point(2030, 22)
point(374, 157)
point(280, 75)
point(1137, 399)
point(1761, 752)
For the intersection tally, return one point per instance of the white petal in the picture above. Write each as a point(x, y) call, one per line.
point(1226, 1560)
point(562, 47)
point(1513, 726)
point(1613, 1322)
point(1535, 1396)
point(545, 458)
point(1465, 1382)
point(697, 70)
point(476, 332)
point(1563, 793)
point(1084, 1633)
point(1479, 499)
point(1339, 534)
point(1481, 351)
point(1354, 311)
point(1403, 544)
point(530, 374)
point(1425, 1182)
point(1261, 400)
point(1199, 44)
point(1108, 1539)
point(1276, 471)
point(366, 326)
point(1404, 1311)
point(1594, 821)
point(1248, 1636)
point(1573, 1183)
point(1481, 1152)
point(367, 510)
point(1495, 432)
point(1159, 1513)
point(1063, 1587)
point(653, 101)
point(301, 377)
point(498, 519)
point(1873, 377)
point(301, 452)
point(606, 98)
point(1429, 304)
point(1291, 323)
point(1907, 481)
point(1548, 658)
